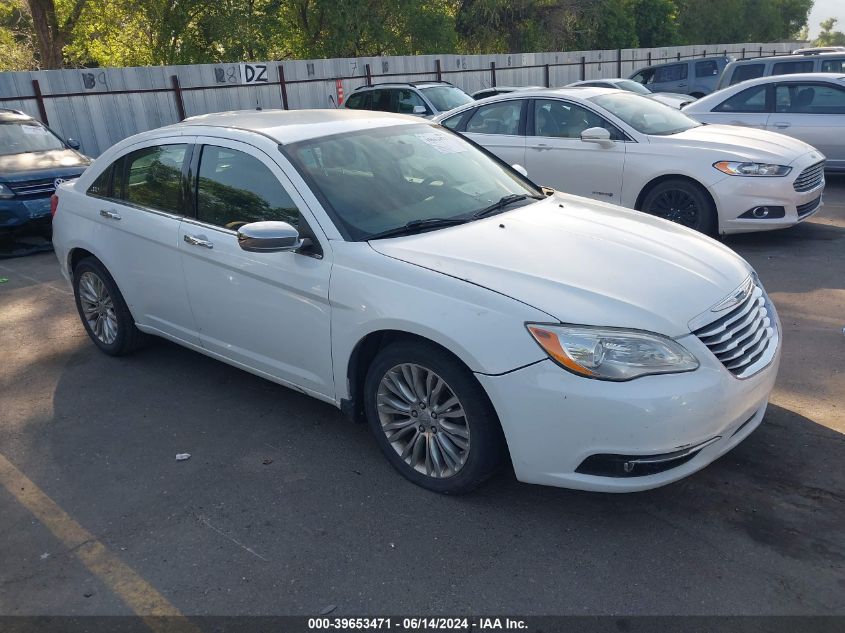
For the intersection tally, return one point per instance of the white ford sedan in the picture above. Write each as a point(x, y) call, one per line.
point(624, 148)
point(391, 268)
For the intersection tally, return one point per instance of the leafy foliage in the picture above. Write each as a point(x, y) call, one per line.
point(51, 33)
point(829, 37)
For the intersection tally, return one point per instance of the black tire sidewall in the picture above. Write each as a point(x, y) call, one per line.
point(125, 322)
point(707, 220)
point(487, 448)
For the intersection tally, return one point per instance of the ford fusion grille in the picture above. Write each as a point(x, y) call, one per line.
point(810, 178)
point(744, 339)
point(806, 209)
point(43, 187)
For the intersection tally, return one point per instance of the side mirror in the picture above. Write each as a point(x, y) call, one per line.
point(269, 237)
point(520, 169)
point(418, 109)
point(597, 135)
point(72, 143)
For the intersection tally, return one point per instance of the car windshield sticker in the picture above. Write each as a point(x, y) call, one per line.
point(37, 130)
point(443, 143)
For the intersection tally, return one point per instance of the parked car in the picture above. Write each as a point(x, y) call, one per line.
point(500, 90)
point(696, 77)
point(624, 148)
point(391, 268)
point(809, 107)
point(33, 159)
point(425, 98)
point(667, 98)
point(747, 69)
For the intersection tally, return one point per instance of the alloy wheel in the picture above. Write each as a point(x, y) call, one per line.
point(98, 307)
point(678, 206)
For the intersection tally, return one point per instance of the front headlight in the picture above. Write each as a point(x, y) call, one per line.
point(732, 168)
point(5, 192)
point(611, 353)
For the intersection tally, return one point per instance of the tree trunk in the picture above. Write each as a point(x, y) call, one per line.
point(47, 33)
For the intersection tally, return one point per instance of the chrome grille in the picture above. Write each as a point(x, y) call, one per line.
point(42, 187)
point(745, 338)
point(810, 178)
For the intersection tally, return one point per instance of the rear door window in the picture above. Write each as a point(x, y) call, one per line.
point(749, 100)
point(706, 68)
point(382, 100)
point(152, 177)
point(788, 68)
point(747, 71)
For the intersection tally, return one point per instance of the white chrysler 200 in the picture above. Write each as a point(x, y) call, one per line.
point(386, 265)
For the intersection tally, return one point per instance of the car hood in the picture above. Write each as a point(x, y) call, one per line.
point(584, 262)
point(31, 165)
point(743, 142)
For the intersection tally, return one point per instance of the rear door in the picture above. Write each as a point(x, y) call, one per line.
point(813, 112)
point(499, 127)
point(267, 311)
point(555, 155)
point(139, 203)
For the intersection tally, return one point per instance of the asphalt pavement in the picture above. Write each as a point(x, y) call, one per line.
point(286, 508)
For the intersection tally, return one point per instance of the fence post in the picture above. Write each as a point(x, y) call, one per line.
point(369, 76)
point(39, 98)
point(679, 55)
point(583, 68)
point(649, 59)
point(438, 70)
point(618, 62)
point(761, 51)
point(548, 77)
point(177, 92)
point(704, 53)
point(743, 52)
point(283, 88)
point(493, 74)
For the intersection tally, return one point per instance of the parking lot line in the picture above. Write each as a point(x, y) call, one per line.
point(137, 593)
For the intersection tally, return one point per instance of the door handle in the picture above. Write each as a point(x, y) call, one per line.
point(198, 241)
point(782, 125)
point(682, 85)
point(111, 215)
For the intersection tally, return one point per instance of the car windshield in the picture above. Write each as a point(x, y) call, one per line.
point(18, 137)
point(645, 115)
point(632, 86)
point(446, 97)
point(376, 180)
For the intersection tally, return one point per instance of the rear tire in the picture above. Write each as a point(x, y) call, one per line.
point(684, 202)
point(432, 419)
point(103, 311)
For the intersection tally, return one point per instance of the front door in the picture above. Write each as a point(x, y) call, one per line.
point(267, 311)
point(555, 156)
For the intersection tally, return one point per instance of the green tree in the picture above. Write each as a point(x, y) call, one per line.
point(656, 22)
point(829, 37)
point(17, 50)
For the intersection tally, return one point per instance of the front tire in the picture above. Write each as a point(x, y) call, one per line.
point(682, 202)
point(103, 311)
point(432, 419)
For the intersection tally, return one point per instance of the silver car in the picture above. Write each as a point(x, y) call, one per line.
point(672, 99)
point(808, 106)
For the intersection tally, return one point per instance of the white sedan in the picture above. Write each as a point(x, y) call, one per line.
point(389, 267)
point(806, 106)
point(674, 99)
point(623, 148)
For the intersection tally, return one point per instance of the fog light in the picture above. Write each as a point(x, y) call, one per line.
point(763, 212)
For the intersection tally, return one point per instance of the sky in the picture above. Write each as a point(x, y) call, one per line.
point(824, 9)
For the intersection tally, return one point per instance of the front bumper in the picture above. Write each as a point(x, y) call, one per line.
point(20, 216)
point(553, 420)
point(735, 195)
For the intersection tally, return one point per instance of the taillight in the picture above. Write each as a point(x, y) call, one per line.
point(54, 204)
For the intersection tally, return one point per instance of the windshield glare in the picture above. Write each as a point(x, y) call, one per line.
point(633, 86)
point(18, 137)
point(645, 115)
point(446, 97)
point(375, 180)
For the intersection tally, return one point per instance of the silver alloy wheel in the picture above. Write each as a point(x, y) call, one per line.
point(423, 420)
point(98, 307)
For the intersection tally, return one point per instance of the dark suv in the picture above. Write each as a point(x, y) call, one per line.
point(423, 98)
point(33, 161)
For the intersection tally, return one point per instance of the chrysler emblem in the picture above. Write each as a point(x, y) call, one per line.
point(734, 298)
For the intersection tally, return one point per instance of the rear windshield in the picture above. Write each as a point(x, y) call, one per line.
point(20, 137)
point(632, 86)
point(446, 97)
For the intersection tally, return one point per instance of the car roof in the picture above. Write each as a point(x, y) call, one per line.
point(291, 126)
point(577, 92)
point(683, 61)
point(787, 58)
point(405, 84)
point(768, 79)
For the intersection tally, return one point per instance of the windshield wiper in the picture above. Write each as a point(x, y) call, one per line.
point(415, 226)
point(502, 203)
